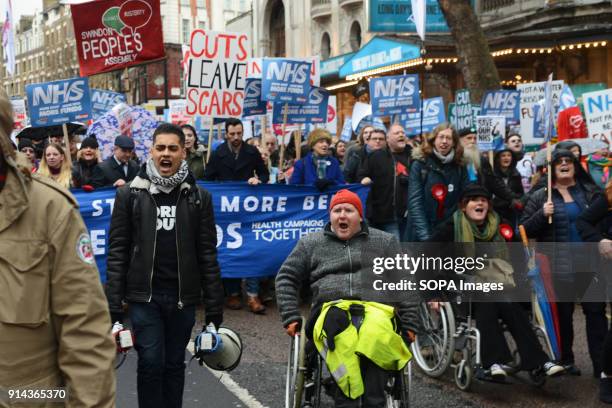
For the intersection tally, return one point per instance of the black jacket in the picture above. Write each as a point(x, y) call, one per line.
point(352, 161)
point(131, 247)
point(223, 166)
point(105, 174)
point(595, 223)
point(513, 180)
point(388, 196)
point(82, 172)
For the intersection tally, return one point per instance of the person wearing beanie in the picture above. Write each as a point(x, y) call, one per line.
point(476, 222)
point(54, 318)
point(27, 147)
point(437, 178)
point(573, 192)
point(87, 160)
point(331, 262)
point(319, 167)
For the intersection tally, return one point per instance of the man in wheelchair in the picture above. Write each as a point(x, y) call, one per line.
point(360, 341)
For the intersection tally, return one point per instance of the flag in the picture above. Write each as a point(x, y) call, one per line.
point(548, 109)
point(419, 14)
point(8, 39)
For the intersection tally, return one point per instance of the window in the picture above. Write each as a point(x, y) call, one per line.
point(228, 5)
point(186, 31)
point(325, 46)
point(355, 36)
point(202, 25)
point(243, 5)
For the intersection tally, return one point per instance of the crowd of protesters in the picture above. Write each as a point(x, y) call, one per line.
point(420, 187)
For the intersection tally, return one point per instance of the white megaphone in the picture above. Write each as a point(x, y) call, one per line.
point(219, 349)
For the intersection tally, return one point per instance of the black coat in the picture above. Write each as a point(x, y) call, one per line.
point(131, 248)
point(82, 172)
point(595, 223)
point(109, 171)
point(352, 161)
point(388, 196)
point(223, 166)
point(565, 257)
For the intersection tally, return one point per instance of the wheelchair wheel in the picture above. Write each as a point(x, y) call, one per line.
point(464, 375)
point(294, 385)
point(398, 388)
point(433, 348)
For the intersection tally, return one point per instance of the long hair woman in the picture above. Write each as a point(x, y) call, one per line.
point(55, 165)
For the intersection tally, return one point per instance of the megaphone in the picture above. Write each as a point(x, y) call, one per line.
point(219, 349)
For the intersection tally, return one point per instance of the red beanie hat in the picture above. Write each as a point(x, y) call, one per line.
point(345, 196)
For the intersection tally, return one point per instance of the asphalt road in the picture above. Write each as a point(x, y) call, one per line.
point(259, 380)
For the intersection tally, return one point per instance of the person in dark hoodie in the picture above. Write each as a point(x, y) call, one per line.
point(573, 191)
point(504, 168)
point(386, 170)
point(86, 161)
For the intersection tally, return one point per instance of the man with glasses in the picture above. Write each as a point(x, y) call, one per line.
point(119, 169)
point(160, 263)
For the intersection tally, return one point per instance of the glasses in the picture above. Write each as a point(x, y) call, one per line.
point(161, 148)
point(27, 150)
point(564, 160)
point(377, 139)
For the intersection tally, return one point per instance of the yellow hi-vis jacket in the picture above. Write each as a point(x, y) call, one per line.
point(376, 340)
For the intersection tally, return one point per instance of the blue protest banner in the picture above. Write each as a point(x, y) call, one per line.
point(433, 115)
point(58, 102)
point(315, 111)
point(347, 130)
point(102, 101)
point(285, 80)
point(253, 105)
point(262, 223)
point(502, 103)
point(394, 94)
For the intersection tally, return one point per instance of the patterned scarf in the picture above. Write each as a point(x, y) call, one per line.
point(321, 163)
point(601, 161)
point(165, 184)
point(468, 232)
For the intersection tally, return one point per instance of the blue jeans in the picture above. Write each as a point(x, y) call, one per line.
point(232, 286)
point(161, 333)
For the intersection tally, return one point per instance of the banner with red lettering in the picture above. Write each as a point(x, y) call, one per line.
point(216, 73)
point(115, 34)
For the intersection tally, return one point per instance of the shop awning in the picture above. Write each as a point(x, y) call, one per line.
point(377, 53)
point(331, 66)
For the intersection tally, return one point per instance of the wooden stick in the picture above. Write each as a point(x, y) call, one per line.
point(67, 143)
point(491, 158)
point(282, 150)
point(297, 139)
point(549, 171)
point(210, 137)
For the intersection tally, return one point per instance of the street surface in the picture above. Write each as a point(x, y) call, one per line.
point(259, 380)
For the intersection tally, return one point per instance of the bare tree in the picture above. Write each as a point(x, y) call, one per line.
point(475, 60)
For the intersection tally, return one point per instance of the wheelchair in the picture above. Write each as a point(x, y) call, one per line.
point(298, 372)
point(450, 339)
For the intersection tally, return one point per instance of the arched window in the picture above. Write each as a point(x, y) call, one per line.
point(355, 36)
point(325, 46)
point(277, 30)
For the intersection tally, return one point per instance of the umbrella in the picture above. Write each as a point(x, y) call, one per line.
point(42, 132)
point(587, 145)
point(133, 121)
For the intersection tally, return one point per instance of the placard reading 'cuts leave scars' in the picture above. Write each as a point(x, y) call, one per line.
point(115, 34)
point(216, 73)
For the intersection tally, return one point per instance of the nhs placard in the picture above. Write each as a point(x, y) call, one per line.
point(286, 80)
point(58, 102)
point(394, 95)
point(502, 103)
point(103, 101)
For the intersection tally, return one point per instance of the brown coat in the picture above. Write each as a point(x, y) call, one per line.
point(54, 320)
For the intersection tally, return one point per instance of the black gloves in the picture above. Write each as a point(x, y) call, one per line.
point(323, 184)
point(215, 319)
point(116, 317)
